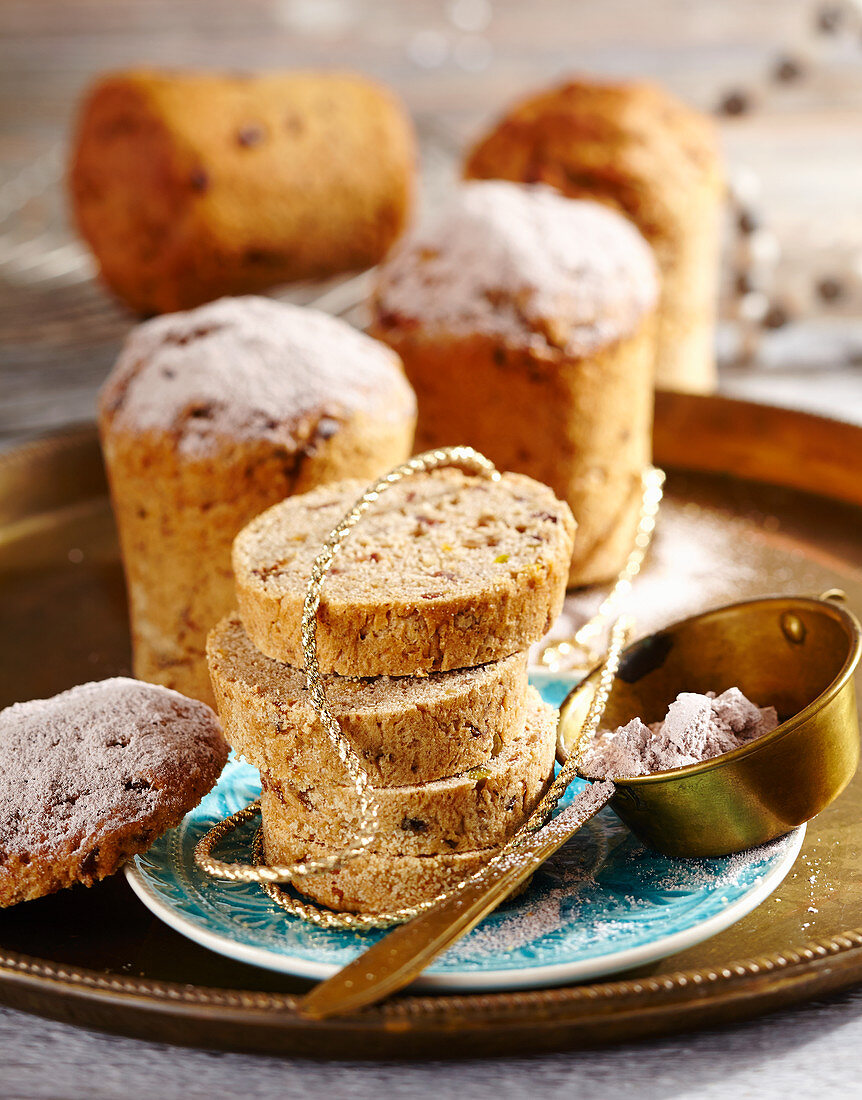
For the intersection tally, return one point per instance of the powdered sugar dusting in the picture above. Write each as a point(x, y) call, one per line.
point(251, 367)
point(603, 889)
point(700, 558)
point(524, 263)
point(697, 727)
point(78, 765)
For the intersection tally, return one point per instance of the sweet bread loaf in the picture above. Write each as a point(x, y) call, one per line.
point(409, 729)
point(188, 186)
point(639, 150)
point(94, 775)
point(479, 808)
point(208, 418)
point(447, 570)
point(525, 321)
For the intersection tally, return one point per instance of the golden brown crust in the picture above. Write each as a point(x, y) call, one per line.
point(177, 519)
point(209, 418)
point(406, 730)
point(638, 149)
point(188, 186)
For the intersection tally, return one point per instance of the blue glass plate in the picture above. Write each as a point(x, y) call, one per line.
point(604, 903)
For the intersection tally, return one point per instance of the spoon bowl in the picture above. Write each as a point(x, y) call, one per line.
point(795, 653)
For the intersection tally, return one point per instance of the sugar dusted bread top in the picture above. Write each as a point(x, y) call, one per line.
point(252, 368)
point(524, 264)
point(446, 570)
point(95, 774)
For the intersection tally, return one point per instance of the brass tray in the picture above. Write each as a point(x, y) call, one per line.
point(760, 500)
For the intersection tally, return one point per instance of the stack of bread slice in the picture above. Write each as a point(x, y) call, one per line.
point(422, 632)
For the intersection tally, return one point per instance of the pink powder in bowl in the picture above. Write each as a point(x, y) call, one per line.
point(696, 728)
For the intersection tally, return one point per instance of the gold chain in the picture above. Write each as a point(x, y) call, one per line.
point(269, 876)
point(557, 655)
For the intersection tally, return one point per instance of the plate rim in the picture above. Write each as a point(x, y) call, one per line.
point(499, 980)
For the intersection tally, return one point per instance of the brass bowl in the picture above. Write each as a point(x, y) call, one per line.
point(797, 654)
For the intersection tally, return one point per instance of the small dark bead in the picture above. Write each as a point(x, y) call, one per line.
point(788, 69)
point(735, 103)
point(742, 283)
point(830, 18)
point(776, 317)
point(747, 222)
point(830, 289)
point(247, 136)
point(199, 180)
point(294, 124)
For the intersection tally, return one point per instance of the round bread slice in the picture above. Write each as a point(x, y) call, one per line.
point(446, 570)
point(479, 809)
point(94, 775)
point(409, 729)
point(373, 883)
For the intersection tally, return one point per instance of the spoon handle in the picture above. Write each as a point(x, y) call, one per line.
point(403, 954)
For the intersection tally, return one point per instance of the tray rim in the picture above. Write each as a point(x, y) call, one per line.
point(478, 1023)
point(563, 1017)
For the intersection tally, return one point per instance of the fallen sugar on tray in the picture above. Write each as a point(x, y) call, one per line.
point(697, 727)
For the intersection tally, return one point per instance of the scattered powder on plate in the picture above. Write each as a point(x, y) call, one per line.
point(697, 727)
point(605, 868)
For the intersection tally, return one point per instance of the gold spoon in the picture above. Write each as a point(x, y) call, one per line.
point(404, 953)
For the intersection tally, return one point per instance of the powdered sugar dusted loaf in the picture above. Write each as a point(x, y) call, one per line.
point(94, 775)
point(635, 147)
point(209, 418)
point(252, 368)
point(525, 264)
point(697, 727)
point(446, 570)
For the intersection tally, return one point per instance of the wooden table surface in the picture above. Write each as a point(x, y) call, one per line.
point(456, 64)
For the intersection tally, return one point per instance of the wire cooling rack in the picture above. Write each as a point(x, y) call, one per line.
point(60, 330)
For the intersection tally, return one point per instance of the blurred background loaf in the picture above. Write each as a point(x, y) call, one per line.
point(208, 418)
point(656, 160)
point(188, 186)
